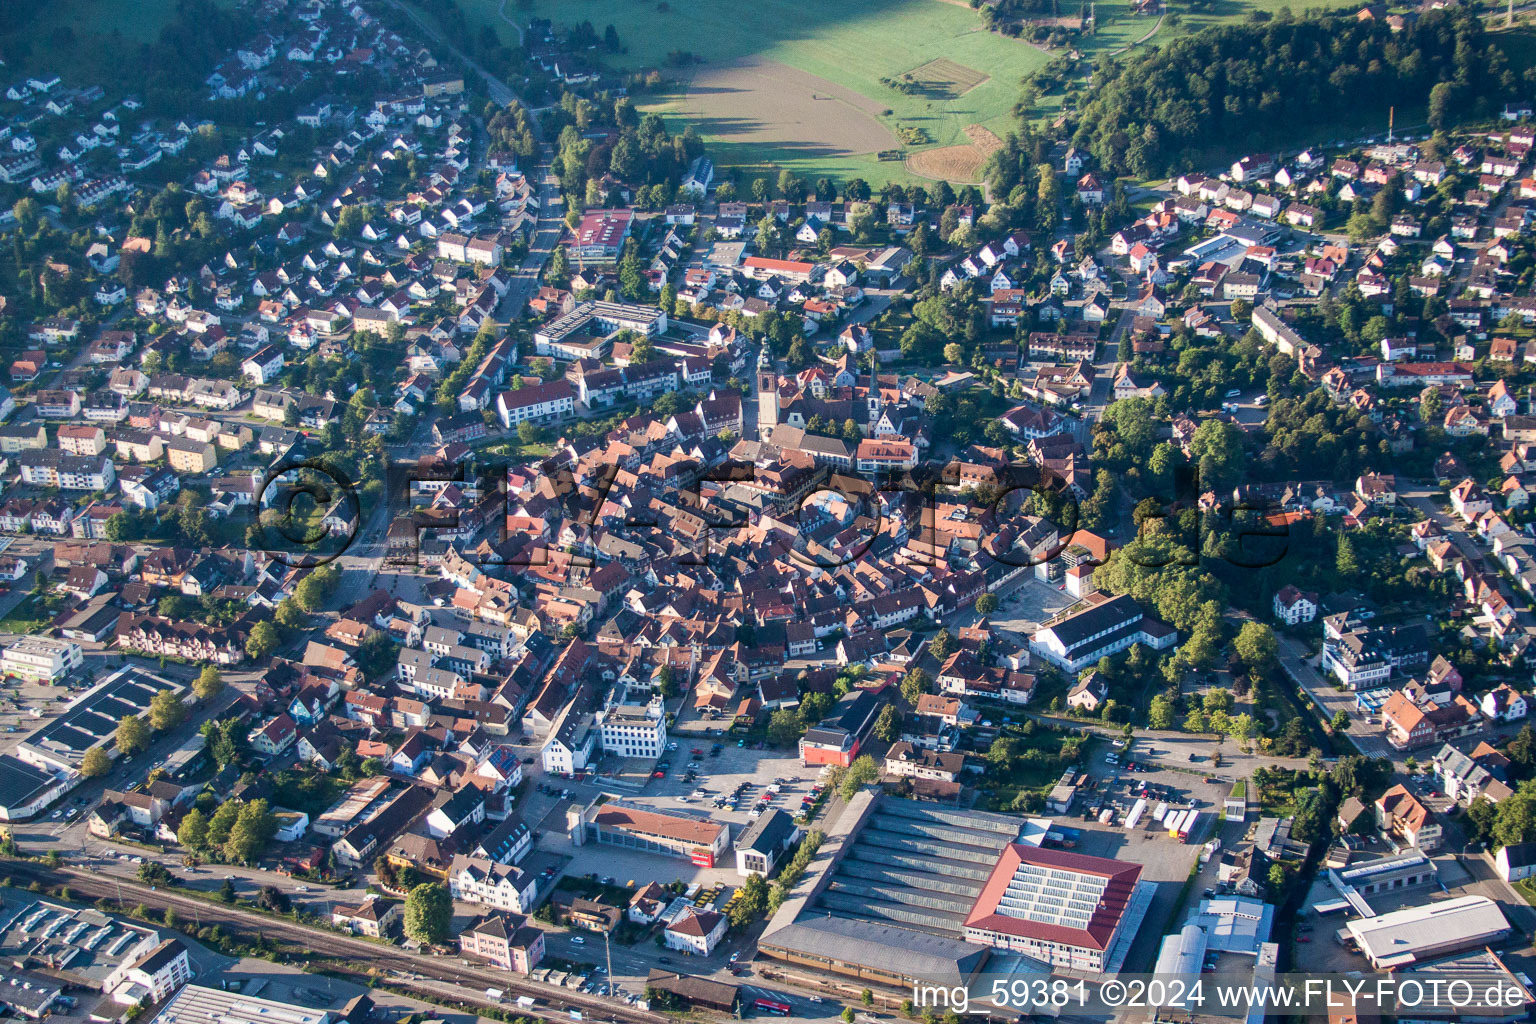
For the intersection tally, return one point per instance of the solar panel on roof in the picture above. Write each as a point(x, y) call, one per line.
point(1052, 896)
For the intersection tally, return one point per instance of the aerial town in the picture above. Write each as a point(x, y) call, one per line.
point(475, 545)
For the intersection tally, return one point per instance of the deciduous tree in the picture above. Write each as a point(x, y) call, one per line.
point(131, 736)
point(95, 763)
point(166, 711)
point(428, 913)
point(209, 683)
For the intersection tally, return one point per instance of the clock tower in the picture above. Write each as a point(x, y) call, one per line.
point(767, 396)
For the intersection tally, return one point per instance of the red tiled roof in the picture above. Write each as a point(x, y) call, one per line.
point(1122, 878)
point(667, 826)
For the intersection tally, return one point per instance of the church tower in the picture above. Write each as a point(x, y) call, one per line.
point(767, 395)
point(872, 398)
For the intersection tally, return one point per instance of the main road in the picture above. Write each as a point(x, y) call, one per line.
point(362, 561)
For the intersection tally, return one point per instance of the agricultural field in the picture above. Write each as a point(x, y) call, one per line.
point(795, 84)
point(944, 78)
point(139, 21)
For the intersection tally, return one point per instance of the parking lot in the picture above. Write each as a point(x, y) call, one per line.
point(1030, 604)
point(24, 706)
point(1165, 860)
point(1177, 786)
point(704, 773)
point(729, 783)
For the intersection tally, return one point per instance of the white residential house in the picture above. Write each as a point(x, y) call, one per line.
point(696, 931)
point(1504, 704)
point(499, 886)
point(1470, 500)
point(1294, 607)
point(1088, 693)
point(263, 365)
point(1516, 862)
point(572, 746)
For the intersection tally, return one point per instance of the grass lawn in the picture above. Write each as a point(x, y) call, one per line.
point(101, 35)
point(24, 618)
point(1226, 12)
point(513, 449)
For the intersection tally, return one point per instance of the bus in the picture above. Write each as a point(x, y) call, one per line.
point(771, 1006)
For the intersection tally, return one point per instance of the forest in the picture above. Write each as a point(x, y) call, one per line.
point(1237, 85)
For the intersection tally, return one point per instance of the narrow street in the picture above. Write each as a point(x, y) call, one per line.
point(1420, 498)
point(1369, 740)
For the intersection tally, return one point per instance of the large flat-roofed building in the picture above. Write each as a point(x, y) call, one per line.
point(1226, 924)
point(25, 789)
point(1064, 908)
point(196, 1004)
point(91, 720)
point(886, 896)
point(1487, 975)
point(873, 951)
point(1386, 874)
point(29, 994)
point(1231, 931)
point(41, 659)
point(700, 840)
point(85, 947)
point(590, 318)
point(1413, 934)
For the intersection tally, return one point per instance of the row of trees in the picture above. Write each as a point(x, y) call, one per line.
point(792, 872)
point(237, 832)
point(165, 712)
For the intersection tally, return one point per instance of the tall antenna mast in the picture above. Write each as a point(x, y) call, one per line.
point(1391, 114)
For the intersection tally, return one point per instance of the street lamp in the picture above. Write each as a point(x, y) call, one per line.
point(608, 950)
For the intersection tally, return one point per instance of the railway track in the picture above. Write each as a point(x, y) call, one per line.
point(329, 944)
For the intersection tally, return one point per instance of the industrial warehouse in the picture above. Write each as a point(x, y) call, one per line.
point(907, 892)
point(1063, 908)
point(675, 835)
point(91, 720)
point(1407, 936)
